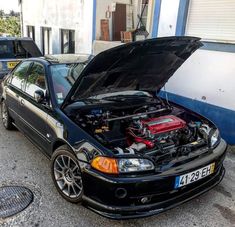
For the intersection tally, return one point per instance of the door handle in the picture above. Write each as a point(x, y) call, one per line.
point(22, 102)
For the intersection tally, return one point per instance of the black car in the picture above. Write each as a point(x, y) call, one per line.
point(13, 50)
point(114, 144)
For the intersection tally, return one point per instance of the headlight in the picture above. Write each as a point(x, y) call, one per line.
point(214, 138)
point(115, 166)
point(105, 164)
point(134, 165)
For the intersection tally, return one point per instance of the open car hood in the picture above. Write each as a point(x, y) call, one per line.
point(144, 65)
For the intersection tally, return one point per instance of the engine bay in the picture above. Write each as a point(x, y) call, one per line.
point(147, 125)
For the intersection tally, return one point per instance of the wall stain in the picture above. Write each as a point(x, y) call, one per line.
point(226, 212)
point(203, 97)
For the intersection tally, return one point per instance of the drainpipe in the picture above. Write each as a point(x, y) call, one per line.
point(93, 24)
point(132, 14)
point(21, 18)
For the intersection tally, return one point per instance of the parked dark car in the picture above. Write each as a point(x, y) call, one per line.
point(13, 50)
point(114, 144)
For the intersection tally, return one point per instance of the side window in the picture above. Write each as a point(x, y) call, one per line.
point(36, 79)
point(19, 75)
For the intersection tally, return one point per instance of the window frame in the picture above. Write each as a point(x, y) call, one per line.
point(48, 99)
point(33, 32)
point(48, 29)
point(48, 103)
point(26, 76)
point(70, 31)
point(183, 11)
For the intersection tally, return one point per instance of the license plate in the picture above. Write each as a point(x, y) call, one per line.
point(11, 65)
point(193, 176)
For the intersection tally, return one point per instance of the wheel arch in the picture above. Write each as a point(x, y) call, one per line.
point(58, 143)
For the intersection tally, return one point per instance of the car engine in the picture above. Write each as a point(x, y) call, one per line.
point(147, 129)
point(151, 131)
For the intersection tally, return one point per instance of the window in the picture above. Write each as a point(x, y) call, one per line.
point(20, 74)
point(27, 49)
point(36, 79)
point(63, 77)
point(19, 49)
point(31, 32)
point(6, 49)
point(46, 40)
point(212, 20)
point(67, 41)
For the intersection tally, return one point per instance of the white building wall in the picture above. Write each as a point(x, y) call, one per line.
point(207, 76)
point(168, 18)
point(205, 83)
point(59, 14)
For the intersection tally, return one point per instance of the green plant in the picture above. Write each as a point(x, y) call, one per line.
point(10, 26)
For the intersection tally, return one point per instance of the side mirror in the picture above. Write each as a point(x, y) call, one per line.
point(39, 96)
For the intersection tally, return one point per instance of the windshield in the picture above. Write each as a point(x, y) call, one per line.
point(19, 49)
point(63, 78)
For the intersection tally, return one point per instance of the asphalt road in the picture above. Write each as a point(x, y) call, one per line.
point(21, 163)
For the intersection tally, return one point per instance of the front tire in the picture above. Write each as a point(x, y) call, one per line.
point(66, 174)
point(6, 118)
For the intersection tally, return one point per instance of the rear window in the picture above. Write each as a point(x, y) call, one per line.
point(6, 49)
point(19, 49)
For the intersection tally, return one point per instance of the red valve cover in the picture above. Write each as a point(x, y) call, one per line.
point(163, 124)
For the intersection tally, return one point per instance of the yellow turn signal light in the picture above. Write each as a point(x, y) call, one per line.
point(105, 165)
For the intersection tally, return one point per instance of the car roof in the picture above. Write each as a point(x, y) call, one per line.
point(65, 58)
point(14, 38)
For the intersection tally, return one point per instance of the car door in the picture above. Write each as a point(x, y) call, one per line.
point(34, 114)
point(14, 90)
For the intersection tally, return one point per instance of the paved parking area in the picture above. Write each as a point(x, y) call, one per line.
point(22, 164)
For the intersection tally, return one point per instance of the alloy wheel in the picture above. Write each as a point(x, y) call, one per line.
point(68, 176)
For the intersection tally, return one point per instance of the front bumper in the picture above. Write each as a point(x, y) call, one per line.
point(100, 191)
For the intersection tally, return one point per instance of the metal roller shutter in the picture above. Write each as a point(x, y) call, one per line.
point(212, 20)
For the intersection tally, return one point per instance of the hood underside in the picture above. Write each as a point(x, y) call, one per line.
point(144, 65)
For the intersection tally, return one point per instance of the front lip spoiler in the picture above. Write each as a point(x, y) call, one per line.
point(116, 212)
